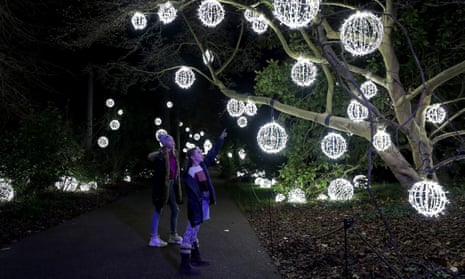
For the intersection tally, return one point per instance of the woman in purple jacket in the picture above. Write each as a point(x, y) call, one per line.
point(200, 195)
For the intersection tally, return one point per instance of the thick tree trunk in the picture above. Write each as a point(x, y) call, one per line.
point(400, 167)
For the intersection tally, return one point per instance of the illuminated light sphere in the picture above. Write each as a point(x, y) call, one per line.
point(242, 154)
point(67, 184)
point(208, 57)
point(250, 109)
point(435, 114)
point(167, 13)
point(230, 155)
point(235, 107)
point(202, 133)
point(296, 195)
point(362, 33)
point(7, 193)
point(259, 25)
point(265, 183)
point(139, 21)
point(334, 145)
point(360, 181)
point(272, 138)
point(157, 121)
point(369, 89)
point(258, 180)
point(356, 111)
point(110, 103)
point(280, 198)
point(180, 124)
point(295, 13)
point(211, 13)
point(381, 140)
point(120, 112)
point(190, 145)
point(196, 136)
point(103, 142)
point(169, 104)
point(322, 197)
point(187, 129)
point(190, 135)
point(340, 189)
point(303, 72)
point(242, 121)
point(160, 132)
point(428, 198)
point(251, 15)
point(184, 77)
point(114, 125)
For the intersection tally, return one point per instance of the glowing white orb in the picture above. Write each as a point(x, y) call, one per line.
point(202, 133)
point(435, 114)
point(235, 107)
point(85, 187)
point(211, 13)
point(428, 198)
point(362, 33)
point(381, 140)
point(322, 197)
point(196, 136)
point(157, 121)
point(340, 189)
point(114, 125)
point(184, 77)
point(250, 109)
point(139, 21)
point(207, 145)
point(333, 145)
point(296, 195)
point(103, 142)
point(169, 104)
point(160, 132)
point(120, 112)
point(7, 193)
point(356, 111)
point(303, 72)
point(360, 181)
point(110, 103)
point(280, 198)
point(272, 138)
point(258, 180)
point(180, 124)
point(259, 25)
point(242, 154)
point(187, 129)
point(242, 121)
point(230, 155)
point(369, 89)
point(167, 13)
point(265, 183)
point(208, 57)
point(295, 13)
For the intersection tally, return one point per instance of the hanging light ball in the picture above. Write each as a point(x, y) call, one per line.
point(160, 132)
point(333, 145)
point(295, 13)
point(211, 13)
point(110, 103)
point(114, 125)
point(103, 142)
point(435, 114)
point(356, 111)
point(369, 89)
point(381, 140)
point(242, 153)
point(303, 72)
point(208, 57)
point(139, 21)
point(196, 136)
point(250, 109)
point(184, 77)
point(7, 193)
point(169, 104)
point(362, 33)
point(272, 138)
point(157, 121)
point(360, 181)
point(120, 112)
point(166, 12)
point(428, 198)
point(235, 107)
point(242, 122)
point(259, 25)
point(296, 195)
point(340, 189)
point(280, 197)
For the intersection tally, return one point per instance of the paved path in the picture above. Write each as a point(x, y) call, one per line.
point(111, 242)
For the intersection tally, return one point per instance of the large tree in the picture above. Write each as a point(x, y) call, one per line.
point(408, 85)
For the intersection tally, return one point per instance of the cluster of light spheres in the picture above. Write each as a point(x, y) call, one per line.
point(250, 109)
point(296, 13)
point(208, 57)
point(235, 107)
point(362, 33)
point(428, 198)
point(184, 77)
point(211, 13)
point(381, 140)
point(103, 142)
point(167, 13)
point(296, 195)
point(303, 72)
point(356, 111)
point(369, 89)
point(114, 125)
point(7, 192)
point(242, 122)
point(435, 114)
point(139, 21)
point(334, 145)
point(272, 138)
point(340, 189)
